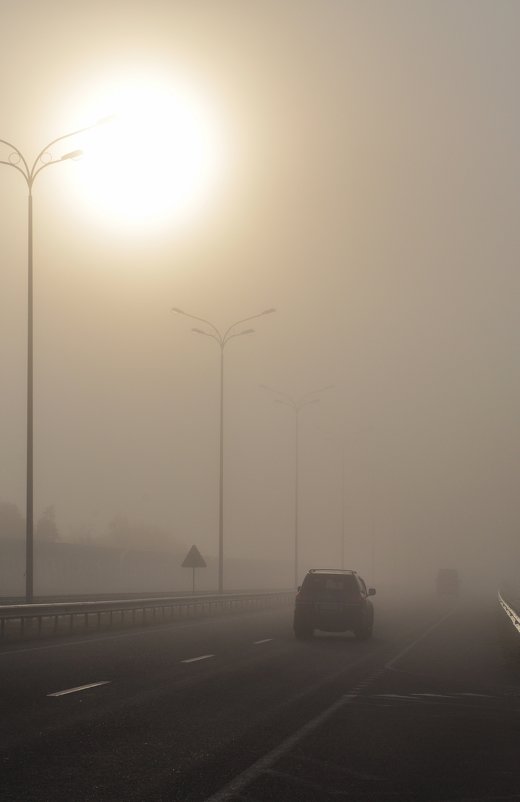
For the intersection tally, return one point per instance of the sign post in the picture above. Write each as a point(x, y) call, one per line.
point(194, 559)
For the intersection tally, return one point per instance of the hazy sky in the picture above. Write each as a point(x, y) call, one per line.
point(369, 192)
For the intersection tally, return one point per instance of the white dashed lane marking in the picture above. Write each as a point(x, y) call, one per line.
point(79, 688)
point(265, 640)
point(195, 659)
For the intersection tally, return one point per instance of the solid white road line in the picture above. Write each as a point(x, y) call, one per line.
point(195, 659)
point(241, 781)
point(513, 616)
point(79, 688)
point(265, 640)
point(238, 784)
point(425, 634)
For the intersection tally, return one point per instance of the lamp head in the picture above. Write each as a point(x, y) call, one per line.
point(179, 311)
point(246, 331)
point(73, 154)
point(268, 311)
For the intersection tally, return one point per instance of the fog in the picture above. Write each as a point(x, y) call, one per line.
point(369, 192)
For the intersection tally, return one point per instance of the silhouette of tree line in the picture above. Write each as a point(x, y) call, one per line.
point(12, 523)
point(120, 532)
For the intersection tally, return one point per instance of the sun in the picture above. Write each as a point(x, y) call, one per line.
point(159, 157)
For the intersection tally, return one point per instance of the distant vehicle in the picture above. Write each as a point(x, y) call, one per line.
point(448, 583)
point(333, 600)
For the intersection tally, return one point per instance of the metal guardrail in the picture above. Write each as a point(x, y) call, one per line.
point(513, 616)
point(71, 598)
point(37, 620)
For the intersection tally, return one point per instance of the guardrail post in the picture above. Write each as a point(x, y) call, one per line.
point(180, 607)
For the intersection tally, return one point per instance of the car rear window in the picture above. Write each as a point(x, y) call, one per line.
point(330, 583)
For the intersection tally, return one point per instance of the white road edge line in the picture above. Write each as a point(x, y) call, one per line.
point(79, 688)
point(195, 659)
point(513, 617)
point(237, 785)
point(265, 640)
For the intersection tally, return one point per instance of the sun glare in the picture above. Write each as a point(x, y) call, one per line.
point(159, 156)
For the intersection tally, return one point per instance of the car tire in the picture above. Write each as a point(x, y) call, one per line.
point(363, 634)
point(364, 631)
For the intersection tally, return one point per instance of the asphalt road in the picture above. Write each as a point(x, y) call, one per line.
point(235, 709)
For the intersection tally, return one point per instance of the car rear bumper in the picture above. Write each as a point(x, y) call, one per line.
point(330, 616)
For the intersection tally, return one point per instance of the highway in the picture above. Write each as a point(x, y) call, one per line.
point(234, 708)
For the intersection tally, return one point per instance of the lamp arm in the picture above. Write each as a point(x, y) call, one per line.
point(41, 167)
point(319, 390)
point(21, 158)
point(302, 404)
point(203, 320)
point(209, 334)
point(244, 320)
point(278, 392)
point(229, 337)
point(15, 166)
point(34, 171)
point(289, 404)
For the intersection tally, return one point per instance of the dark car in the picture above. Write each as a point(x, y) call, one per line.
point(333, 600)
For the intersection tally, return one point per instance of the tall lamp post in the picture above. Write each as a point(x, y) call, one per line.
point(18, 162)
point(343, 504)
point(222, 339)
point(296, 405)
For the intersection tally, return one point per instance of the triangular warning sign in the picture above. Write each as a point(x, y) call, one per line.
point(194, 559)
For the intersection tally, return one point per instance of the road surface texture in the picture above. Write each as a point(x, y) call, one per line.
point(234, 708)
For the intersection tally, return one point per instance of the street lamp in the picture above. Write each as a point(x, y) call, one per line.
point(296, 405)
point(222, 340)
point(17, 161)
point(343, 504)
